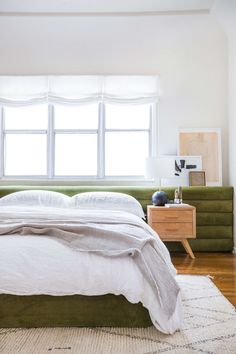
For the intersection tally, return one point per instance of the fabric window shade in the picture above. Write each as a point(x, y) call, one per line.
point(128, 89)
point(75, 89)
point(18, 90)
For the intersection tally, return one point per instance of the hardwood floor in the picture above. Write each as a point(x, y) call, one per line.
point(221, 266)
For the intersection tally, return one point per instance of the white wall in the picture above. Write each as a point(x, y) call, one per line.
point(225, 12)
point(188, 52)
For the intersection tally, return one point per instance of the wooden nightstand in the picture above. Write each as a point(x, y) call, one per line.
point(174, 223)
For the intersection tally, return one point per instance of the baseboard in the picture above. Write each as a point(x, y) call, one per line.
point(234, 250)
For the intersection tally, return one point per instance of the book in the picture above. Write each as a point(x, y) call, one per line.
point(173, 205)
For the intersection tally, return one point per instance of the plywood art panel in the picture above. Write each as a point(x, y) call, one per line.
point(206, 143)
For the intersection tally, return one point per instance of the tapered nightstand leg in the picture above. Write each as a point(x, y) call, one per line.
point(187, 248)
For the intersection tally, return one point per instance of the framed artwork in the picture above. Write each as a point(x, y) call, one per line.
point(197, 178)
point(185, 164)
point(206, 143)
point(180, 167)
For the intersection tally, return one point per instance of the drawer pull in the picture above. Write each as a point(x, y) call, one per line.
point(172, 229)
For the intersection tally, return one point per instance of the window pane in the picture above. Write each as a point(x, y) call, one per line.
point(126, 153)
point(26, 154)
point(127, 117)
point(76, 154)
point(76, 117)
point(30, 117)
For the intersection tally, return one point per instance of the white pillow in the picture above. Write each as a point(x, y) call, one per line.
point(108, 201)
point(36, 198)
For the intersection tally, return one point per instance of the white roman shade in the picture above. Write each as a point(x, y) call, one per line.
point(131, 88)
point(18, 90)
point(75, 89)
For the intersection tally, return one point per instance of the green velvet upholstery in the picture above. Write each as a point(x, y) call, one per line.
point(76, 310)
point(214, 233)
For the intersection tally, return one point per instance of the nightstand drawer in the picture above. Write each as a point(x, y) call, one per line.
point(172, 216)
point(174, 229)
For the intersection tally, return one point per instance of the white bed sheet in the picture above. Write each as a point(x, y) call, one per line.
point(32, 265)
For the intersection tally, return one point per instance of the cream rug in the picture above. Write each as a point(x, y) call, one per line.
point(209, 328)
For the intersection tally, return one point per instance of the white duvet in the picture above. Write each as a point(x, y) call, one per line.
point(32, 265)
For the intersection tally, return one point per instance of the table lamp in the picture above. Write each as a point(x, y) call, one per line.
point(158, 168)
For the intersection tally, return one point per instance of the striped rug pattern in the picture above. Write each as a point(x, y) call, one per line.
point(209, 328)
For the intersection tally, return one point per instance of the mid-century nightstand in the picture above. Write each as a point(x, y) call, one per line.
point(176, 223)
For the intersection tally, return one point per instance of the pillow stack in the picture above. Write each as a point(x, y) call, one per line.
point(86, 201)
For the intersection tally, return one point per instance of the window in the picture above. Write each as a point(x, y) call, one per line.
point(25, 140)
point(76, 139)
point(126, 139)
point(95, 140)
point(78, 127)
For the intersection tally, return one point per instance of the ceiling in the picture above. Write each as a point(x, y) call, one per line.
point(104, 6)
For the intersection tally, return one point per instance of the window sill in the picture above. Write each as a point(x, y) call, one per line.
point(81, 182)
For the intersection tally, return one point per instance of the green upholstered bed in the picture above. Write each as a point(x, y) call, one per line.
point(71, 311)
point(214, 233)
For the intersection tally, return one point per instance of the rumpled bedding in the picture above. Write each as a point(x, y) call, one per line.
point(106, 235)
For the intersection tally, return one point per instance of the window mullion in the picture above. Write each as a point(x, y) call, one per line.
point(153, 130)
point(130, 130)
point(1, 143)
point(101, 141)
point(75, 131)
point(22, 131)
point(50, 143)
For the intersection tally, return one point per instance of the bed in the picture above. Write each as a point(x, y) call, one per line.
point(86, 260)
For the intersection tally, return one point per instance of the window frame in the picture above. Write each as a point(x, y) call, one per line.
point(100, 131)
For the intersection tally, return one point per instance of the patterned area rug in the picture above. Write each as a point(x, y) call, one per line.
point(209, 328)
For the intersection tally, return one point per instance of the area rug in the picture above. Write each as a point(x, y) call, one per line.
point(209, 328)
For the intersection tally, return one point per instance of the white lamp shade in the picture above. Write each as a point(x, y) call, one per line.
point(160, 167)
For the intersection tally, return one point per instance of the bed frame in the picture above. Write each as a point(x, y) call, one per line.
point(71, 311)
point(214, 215)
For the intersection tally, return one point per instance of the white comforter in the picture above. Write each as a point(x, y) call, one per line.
point(31, 265)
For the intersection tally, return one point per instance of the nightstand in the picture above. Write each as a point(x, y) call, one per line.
point(175, 223)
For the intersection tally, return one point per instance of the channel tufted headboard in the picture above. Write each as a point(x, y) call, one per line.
point(214, 210)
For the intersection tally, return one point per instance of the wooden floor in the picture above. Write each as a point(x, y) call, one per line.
point(221, 266)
